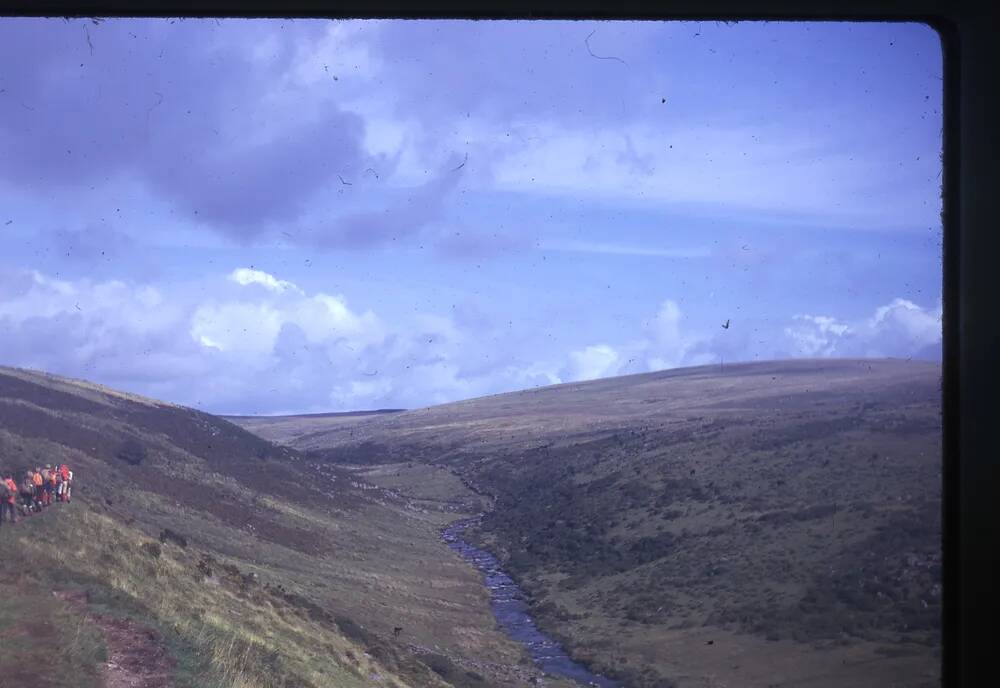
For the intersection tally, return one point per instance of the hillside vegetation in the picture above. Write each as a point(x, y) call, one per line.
point(289, 428)
point(765, 524)
point(253, 566)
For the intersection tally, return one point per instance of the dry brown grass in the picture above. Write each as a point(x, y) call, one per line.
point(771, 504)
point(337, 549)
point(238, 640)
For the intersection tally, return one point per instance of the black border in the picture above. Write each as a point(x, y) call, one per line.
point(971, 259)
point(929, 11)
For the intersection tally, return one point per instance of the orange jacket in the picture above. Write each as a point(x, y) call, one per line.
point(37, 479)
point(13, 489)
point(64, 469)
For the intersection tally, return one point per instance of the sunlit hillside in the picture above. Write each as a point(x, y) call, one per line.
point(763, 524)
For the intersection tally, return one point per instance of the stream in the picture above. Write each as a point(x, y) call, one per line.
point(511, 612)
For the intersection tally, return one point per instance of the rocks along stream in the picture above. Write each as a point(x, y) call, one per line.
point(511, 612)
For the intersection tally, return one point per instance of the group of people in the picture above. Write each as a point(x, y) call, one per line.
point(38, 489)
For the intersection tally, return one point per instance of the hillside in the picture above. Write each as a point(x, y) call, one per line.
point(766, 524)
point(275, 571)
point(288, 428)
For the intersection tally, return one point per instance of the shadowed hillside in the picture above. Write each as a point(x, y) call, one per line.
point(255, 566)
point(764, 524)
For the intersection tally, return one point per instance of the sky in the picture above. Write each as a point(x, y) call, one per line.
point(291, 216)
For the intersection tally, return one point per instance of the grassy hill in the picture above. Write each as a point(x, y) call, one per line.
point(252, 565)
point(289, 428)
point(766, 524)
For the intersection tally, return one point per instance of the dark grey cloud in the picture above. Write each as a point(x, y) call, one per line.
point(93, 245)
point(402, 213)
point(186, 107)
point(243, 189)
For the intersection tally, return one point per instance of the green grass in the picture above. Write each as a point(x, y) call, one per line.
point(292, 549)
point(222, 634)
point(44, 644)
point(785, 502)
point(644, 516)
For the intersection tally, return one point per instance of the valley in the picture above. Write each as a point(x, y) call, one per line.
point(773, 524)
point(290, 573)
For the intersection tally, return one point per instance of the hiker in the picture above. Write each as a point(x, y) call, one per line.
point(47, 485)
point(38, 493)
point(27, 493)
point(51, 485)
point(62, 484)
point(67, 476)
point(8, 491)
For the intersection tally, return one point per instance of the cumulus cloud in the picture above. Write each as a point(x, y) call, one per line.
point(816, 335)
point(664, 343)
point(275, 348)
point(112, 331)
point(669, 345)
point(899, 328)
point(598, 360)
point(266, 345)
point(245, 276)
point(909, 321)
point(249, 327)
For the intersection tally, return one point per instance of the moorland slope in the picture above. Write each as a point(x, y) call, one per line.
point(253, 565)
point(765, 524)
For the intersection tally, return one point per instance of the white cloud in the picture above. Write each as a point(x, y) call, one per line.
point(899, 328)
point(599, 360)
point(913, 322)
point(283, 350)
point(664, 345)
point(763, 169)
point(246, 276)
point(816, 335)
point(88, 328)
point(238, 328)
point(275, 349)
point(667, 345)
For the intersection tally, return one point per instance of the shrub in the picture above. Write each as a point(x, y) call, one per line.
point(167, 535)
point(440, 665)
point(352, 630)
point(132, 451)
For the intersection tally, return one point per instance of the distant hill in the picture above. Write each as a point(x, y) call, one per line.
point(773, 523)
point(282, 429)
point(256, 566)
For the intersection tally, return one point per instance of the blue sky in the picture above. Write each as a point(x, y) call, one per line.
point(272, 216)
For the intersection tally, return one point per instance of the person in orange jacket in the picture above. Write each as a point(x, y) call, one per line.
point(7, 506)
point(39, 483)
point(67, 475)
point(51, 486)
point(62, 483)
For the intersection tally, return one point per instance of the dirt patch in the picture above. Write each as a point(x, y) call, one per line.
point(137, 656)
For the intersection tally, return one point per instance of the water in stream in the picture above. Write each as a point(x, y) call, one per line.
point(511, 612)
